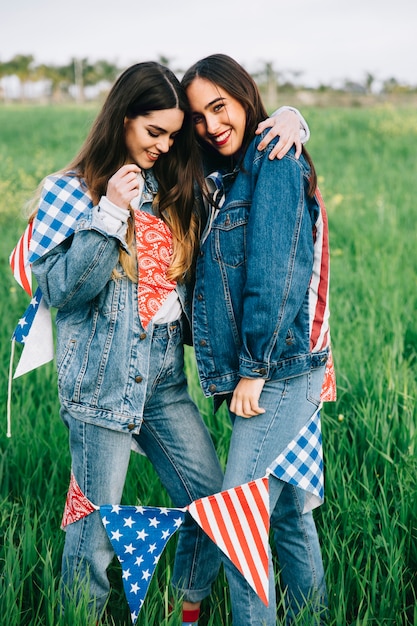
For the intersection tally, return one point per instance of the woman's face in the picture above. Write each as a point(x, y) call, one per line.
point(147, 137)
point(219, 119)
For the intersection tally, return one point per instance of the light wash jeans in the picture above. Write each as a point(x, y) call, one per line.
point(255, 443)
point(178, 444)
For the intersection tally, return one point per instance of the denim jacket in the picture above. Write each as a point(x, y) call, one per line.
point(255, 299)
point(102, 350)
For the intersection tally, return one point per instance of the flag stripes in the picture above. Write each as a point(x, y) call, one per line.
point(237, 520)
point(319, 286)
point(19, 260)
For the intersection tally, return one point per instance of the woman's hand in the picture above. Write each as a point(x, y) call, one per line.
point(287, 125)
point(245, 400)
point(123, 186)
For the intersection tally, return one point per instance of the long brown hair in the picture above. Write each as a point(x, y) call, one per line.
point(225, 72)
point(139, 90)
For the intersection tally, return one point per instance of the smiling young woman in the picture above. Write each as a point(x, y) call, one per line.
point(262, 284)
point(118, 278)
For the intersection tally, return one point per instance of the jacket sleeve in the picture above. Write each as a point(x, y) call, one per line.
point(75, 271)
point(279, 253)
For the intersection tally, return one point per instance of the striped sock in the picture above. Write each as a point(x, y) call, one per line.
point(190, 618)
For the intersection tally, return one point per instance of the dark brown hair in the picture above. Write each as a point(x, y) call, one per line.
point(139, 90)
point(225, 72)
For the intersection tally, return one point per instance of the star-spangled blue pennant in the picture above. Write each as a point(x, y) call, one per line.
point(25, 323)
point(139, 535)
point(301, 463)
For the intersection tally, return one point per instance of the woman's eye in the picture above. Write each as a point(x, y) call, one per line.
point(218, 107)
point(154, 135)
point(197, 119)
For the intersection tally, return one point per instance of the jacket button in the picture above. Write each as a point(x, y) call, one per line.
point(199, 297)
point(202, 342)
point(138, 379)
point(212, 388)
point(142, 336)
point(131, 426)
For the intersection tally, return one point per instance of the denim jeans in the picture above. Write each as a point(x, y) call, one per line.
point(255, 443)
point(176, 441)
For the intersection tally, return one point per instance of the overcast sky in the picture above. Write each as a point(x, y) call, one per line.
point(324, 40)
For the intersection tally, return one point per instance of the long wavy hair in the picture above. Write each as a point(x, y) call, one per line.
point(139, 90)
point(225, 72)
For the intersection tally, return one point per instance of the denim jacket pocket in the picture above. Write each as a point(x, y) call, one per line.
point(64, 360)
point(314, 387)
point(229, 240)
point(114, 299)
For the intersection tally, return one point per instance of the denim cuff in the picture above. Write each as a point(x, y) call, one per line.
point(93, 220)
point(253, 369)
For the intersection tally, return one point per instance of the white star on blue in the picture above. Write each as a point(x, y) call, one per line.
point(139, 535)
point(25, 323)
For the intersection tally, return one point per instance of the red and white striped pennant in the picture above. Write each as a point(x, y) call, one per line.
point(237, 520)
point(19, 260)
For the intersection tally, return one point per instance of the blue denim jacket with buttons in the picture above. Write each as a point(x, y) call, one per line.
point(251, 307)
point(102, 350)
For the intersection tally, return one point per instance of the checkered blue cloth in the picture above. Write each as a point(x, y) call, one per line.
point(301, 463)
point(63, 201)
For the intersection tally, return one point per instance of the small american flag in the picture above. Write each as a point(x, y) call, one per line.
point(237, 520)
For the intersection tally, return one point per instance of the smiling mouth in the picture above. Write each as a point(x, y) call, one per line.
point(220, 140)
point(152, 155)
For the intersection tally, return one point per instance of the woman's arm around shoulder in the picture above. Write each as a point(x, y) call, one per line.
point(291, 127)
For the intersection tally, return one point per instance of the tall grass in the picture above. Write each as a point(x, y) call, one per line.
point(367, 165)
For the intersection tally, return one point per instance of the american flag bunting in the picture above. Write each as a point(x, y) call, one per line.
point(19, 260)
point(63, 201)
point(237, 520)
point(77, 505)
point(34, 331)
point(301, 463)
point(139, 535)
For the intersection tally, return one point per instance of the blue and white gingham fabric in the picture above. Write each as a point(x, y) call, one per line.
point(301, 463)
point(63, 201)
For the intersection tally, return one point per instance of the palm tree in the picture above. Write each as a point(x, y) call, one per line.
point(21, 65)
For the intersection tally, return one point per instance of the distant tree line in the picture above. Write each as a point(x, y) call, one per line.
point(61, 82)
point(80, 78)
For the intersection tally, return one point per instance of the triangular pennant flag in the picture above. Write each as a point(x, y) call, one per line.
point(77, 505)
point(19, 260)
point(301, 463)
point(139, 535)
point(63, 201)
point(237, 520)
point(34, 330)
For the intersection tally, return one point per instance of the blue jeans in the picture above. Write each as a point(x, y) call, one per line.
point(178, 444)
point(255, 443)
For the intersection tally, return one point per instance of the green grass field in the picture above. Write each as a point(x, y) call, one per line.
point(367, 165)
